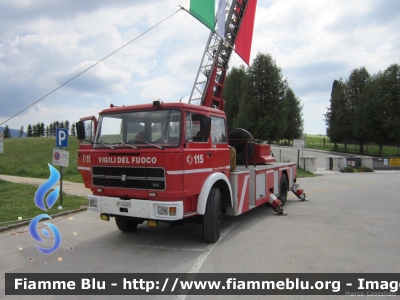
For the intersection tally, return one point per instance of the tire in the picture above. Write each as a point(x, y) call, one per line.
point(241, 134)
point(212, 217)
point(126, 224)
point(283, 189)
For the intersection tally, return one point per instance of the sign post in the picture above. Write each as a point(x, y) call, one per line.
point(61, 157)
point(1, 142)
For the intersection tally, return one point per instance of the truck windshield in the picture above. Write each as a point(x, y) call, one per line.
point(153, 128)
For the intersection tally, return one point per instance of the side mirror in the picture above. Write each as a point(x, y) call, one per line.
point(80, 130)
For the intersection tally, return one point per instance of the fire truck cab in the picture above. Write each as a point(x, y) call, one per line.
point(167, 157)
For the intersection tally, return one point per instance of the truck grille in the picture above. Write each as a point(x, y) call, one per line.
point(129, 178)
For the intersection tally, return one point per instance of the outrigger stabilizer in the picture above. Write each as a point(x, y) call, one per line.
point(299, 192)
point(276, 204)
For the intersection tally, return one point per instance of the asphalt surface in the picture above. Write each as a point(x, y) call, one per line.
point(349, 225)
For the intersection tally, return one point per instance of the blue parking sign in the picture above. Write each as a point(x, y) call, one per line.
point(61, 138)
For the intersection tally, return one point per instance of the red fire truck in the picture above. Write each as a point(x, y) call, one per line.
point(176, 162)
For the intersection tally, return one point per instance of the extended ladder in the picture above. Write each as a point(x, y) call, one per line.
point(210, 79)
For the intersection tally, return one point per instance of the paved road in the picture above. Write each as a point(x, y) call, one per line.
point(72, 188)
point(349, 225)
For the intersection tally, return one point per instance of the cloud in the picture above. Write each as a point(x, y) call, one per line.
point(163, 88)
point(101, 79)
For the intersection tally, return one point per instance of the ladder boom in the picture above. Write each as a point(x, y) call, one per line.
point(208, 87)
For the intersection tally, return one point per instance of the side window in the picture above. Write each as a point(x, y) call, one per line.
point(218, 130)
point(195, 128)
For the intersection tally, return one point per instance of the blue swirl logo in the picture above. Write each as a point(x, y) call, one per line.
point(39, 202)
point(45, 187)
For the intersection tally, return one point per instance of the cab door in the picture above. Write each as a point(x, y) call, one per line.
point(198, 159)
point(219, 145)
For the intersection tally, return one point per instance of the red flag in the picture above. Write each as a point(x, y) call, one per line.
point(245, 35)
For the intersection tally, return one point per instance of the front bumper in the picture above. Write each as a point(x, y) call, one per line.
point(144, 209)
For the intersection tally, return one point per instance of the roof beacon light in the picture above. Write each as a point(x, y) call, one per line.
point(157, 103)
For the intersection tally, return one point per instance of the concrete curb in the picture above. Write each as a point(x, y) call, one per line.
point(24, 223)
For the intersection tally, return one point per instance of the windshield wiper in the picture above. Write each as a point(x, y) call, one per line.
point(136, 148)
point(159, 147)
point(107, 145)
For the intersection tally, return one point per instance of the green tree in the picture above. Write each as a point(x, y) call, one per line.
point(73, 130)
point(391, 85)
point(42, 129)
point(51, 129)
point(354, 87)
point(263, 108)
point(21, 131)
point(334, 118)
point(66, 125)
point(375, 110)
point(34, 131)
point(234, 85)
point(6, 132)
point(29, 132)
point(294, 116)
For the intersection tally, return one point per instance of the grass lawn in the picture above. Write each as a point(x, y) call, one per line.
point(321, 142)
point(303, 173)
point(16, 200)
point(28, 157)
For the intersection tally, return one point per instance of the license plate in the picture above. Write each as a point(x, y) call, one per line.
point(121, 203)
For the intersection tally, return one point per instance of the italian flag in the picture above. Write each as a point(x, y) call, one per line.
point(204, 11)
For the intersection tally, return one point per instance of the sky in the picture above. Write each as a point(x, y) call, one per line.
point(44, 43)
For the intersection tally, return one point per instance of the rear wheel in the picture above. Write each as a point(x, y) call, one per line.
point(212, 217)
point(283, 189)
point(126, 224)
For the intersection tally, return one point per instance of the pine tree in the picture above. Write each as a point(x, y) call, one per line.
point(6, 132)
point(375, 111)
point(392, 102)
point(42, 133)
point(294, 117)
point(38, 130)
point(336, 114)
point(234, 85)
point(354, 87)
point(29, 131)
point(21, 131)
point(47, 131)
point(66, 125)
point(73, 130)
point(263, 109)
point(34, 131)
point(51, 129)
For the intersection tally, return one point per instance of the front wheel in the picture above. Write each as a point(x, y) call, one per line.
point(126, 224)
point(212, 217)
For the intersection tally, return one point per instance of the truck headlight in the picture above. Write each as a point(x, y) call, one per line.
point(165, 210)
point(162, 210)
point(93, 202)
